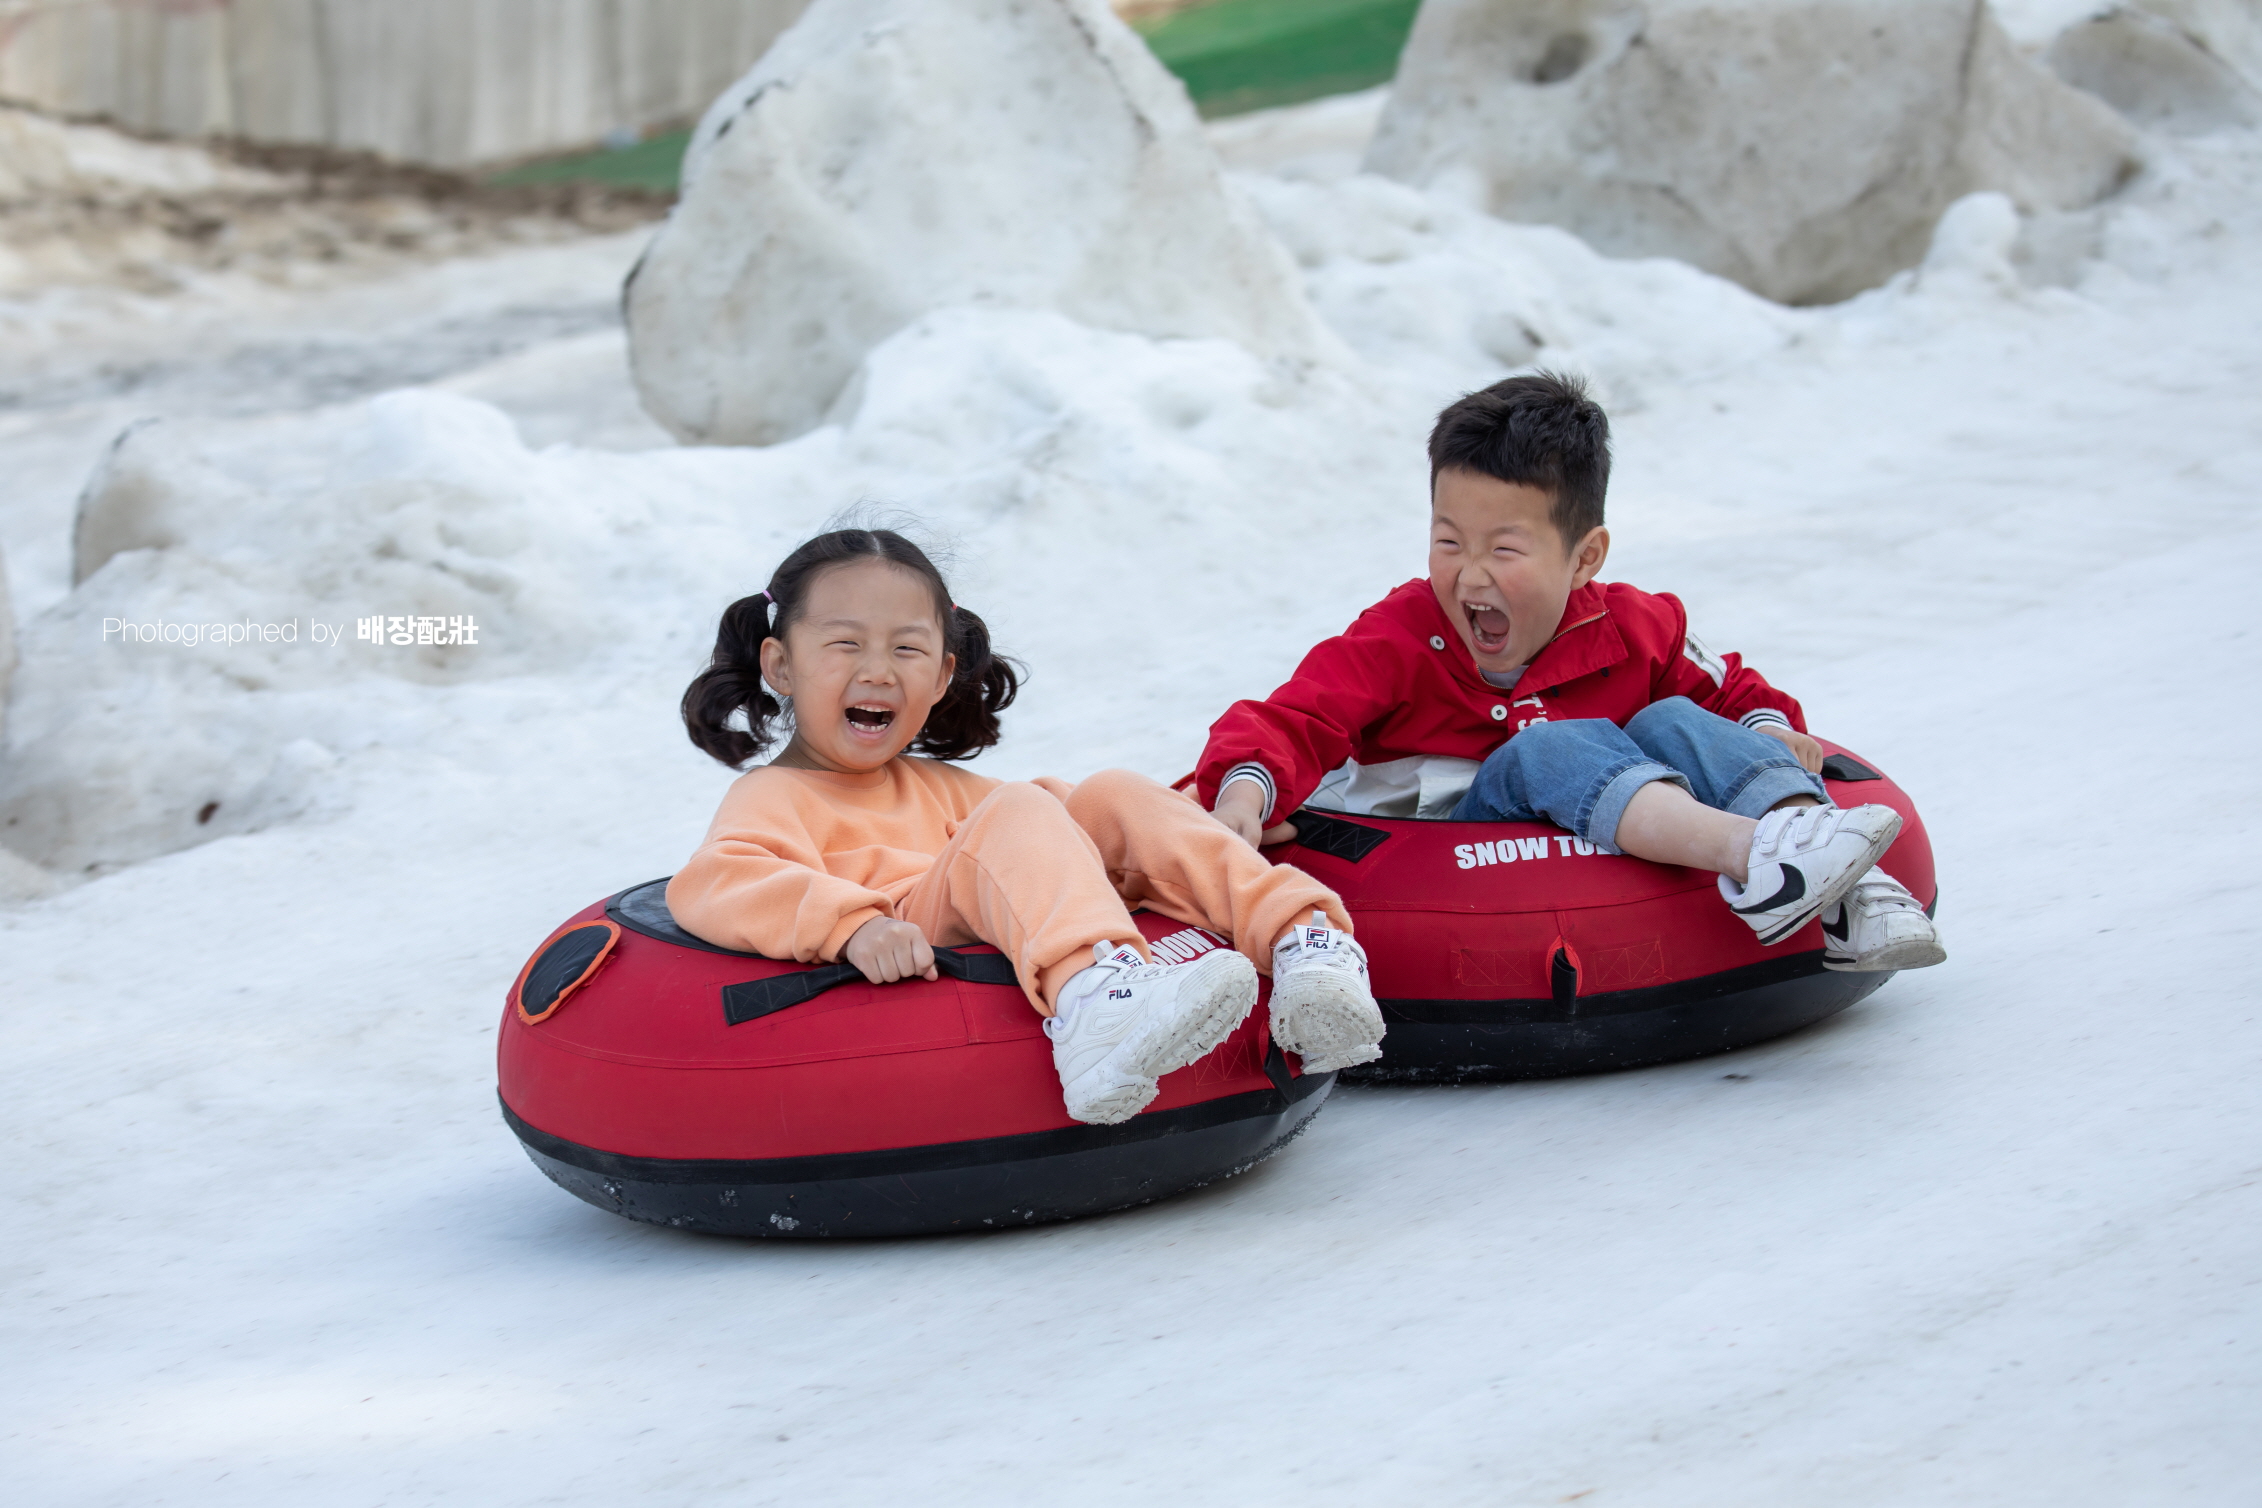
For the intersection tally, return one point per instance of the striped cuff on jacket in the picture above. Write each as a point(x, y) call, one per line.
point(1262, 777)
point(1760, 717)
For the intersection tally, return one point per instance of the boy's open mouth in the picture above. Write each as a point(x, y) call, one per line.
point(1489, 625)
point(871, 717)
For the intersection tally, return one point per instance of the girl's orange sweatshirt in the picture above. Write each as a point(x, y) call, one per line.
point(797, 860)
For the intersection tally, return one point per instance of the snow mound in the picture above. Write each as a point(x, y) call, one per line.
point(2187, 66)
point(1450, 298)
point(1326, 138)
point(418, 500)
point(7, 641)
point(210, 662)
point(1972, 249)
point(75, 199)
point(891, 157)
point(1804, 149)
point(41, 156)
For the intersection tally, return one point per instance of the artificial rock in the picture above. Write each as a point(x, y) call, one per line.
point(888, 158)
point(1804, 148)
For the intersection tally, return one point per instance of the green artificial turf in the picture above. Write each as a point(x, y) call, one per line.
point(1234, 56)
point(1241, 55)
point(655, 163)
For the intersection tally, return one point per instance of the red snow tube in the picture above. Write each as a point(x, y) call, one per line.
point(1512, 950)
point(668, 1080)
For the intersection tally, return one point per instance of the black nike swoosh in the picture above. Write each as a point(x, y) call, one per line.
point(1842, 931)
point(1794, 886)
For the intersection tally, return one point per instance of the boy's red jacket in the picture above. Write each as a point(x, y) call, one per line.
point(1399, 682)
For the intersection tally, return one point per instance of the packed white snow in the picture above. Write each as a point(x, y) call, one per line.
point(1988, 1238)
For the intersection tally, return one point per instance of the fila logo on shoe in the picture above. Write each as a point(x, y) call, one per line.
point(1511, 850)
point(1184, 947)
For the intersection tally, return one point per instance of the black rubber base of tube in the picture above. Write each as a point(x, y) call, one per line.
point(1465, 1041)
point(956, 1186)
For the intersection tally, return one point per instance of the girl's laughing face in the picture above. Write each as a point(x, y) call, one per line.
point(1499, 566)
point(864, 663)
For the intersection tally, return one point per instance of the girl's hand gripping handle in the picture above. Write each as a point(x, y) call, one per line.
point(885, 950)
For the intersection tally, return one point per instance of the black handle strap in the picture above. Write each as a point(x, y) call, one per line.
point(1338, 839)
point(1563, 982)
point(1276, 1069)
point(1846, 767)
point(976, 968)
point(757, 998)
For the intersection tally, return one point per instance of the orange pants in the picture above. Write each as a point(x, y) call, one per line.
point(1042, 871)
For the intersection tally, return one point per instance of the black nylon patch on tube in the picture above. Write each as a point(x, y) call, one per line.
point(561, 967)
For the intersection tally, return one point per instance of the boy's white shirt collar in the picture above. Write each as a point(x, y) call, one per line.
point(1420, 785)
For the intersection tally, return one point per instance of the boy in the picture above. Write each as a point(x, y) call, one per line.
point(1511, 686)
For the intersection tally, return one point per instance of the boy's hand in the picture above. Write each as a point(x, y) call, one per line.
point(1241, 806)
point(885, 951)
point(1803, 748)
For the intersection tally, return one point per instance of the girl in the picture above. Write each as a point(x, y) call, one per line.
point(849, 846)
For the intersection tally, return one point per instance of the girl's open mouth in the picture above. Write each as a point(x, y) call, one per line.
point(1489, 625)
point(874, 718)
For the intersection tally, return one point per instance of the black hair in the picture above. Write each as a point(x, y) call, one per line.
point(1538, 431)
point(960, 726)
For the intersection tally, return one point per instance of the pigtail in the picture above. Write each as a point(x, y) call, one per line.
point(731, 684)
point(965, 721)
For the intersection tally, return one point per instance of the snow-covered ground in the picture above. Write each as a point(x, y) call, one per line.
point(1992, 1237)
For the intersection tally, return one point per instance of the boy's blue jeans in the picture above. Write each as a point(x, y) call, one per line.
point(1579, 774)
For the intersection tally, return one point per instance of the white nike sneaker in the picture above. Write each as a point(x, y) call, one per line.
point(1804, 859)
point(1123, 1023)
point(1877, 928)
point(1323, 1009)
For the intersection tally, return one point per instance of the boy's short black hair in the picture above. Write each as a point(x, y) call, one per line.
point(1539, 431)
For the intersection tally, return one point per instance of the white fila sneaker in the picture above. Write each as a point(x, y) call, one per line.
point(1803, 860)
point(1123, 1023)
point(1323, 1009)
point(1877, 928)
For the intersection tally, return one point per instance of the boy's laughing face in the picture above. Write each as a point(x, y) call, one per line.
point(1500, 569)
